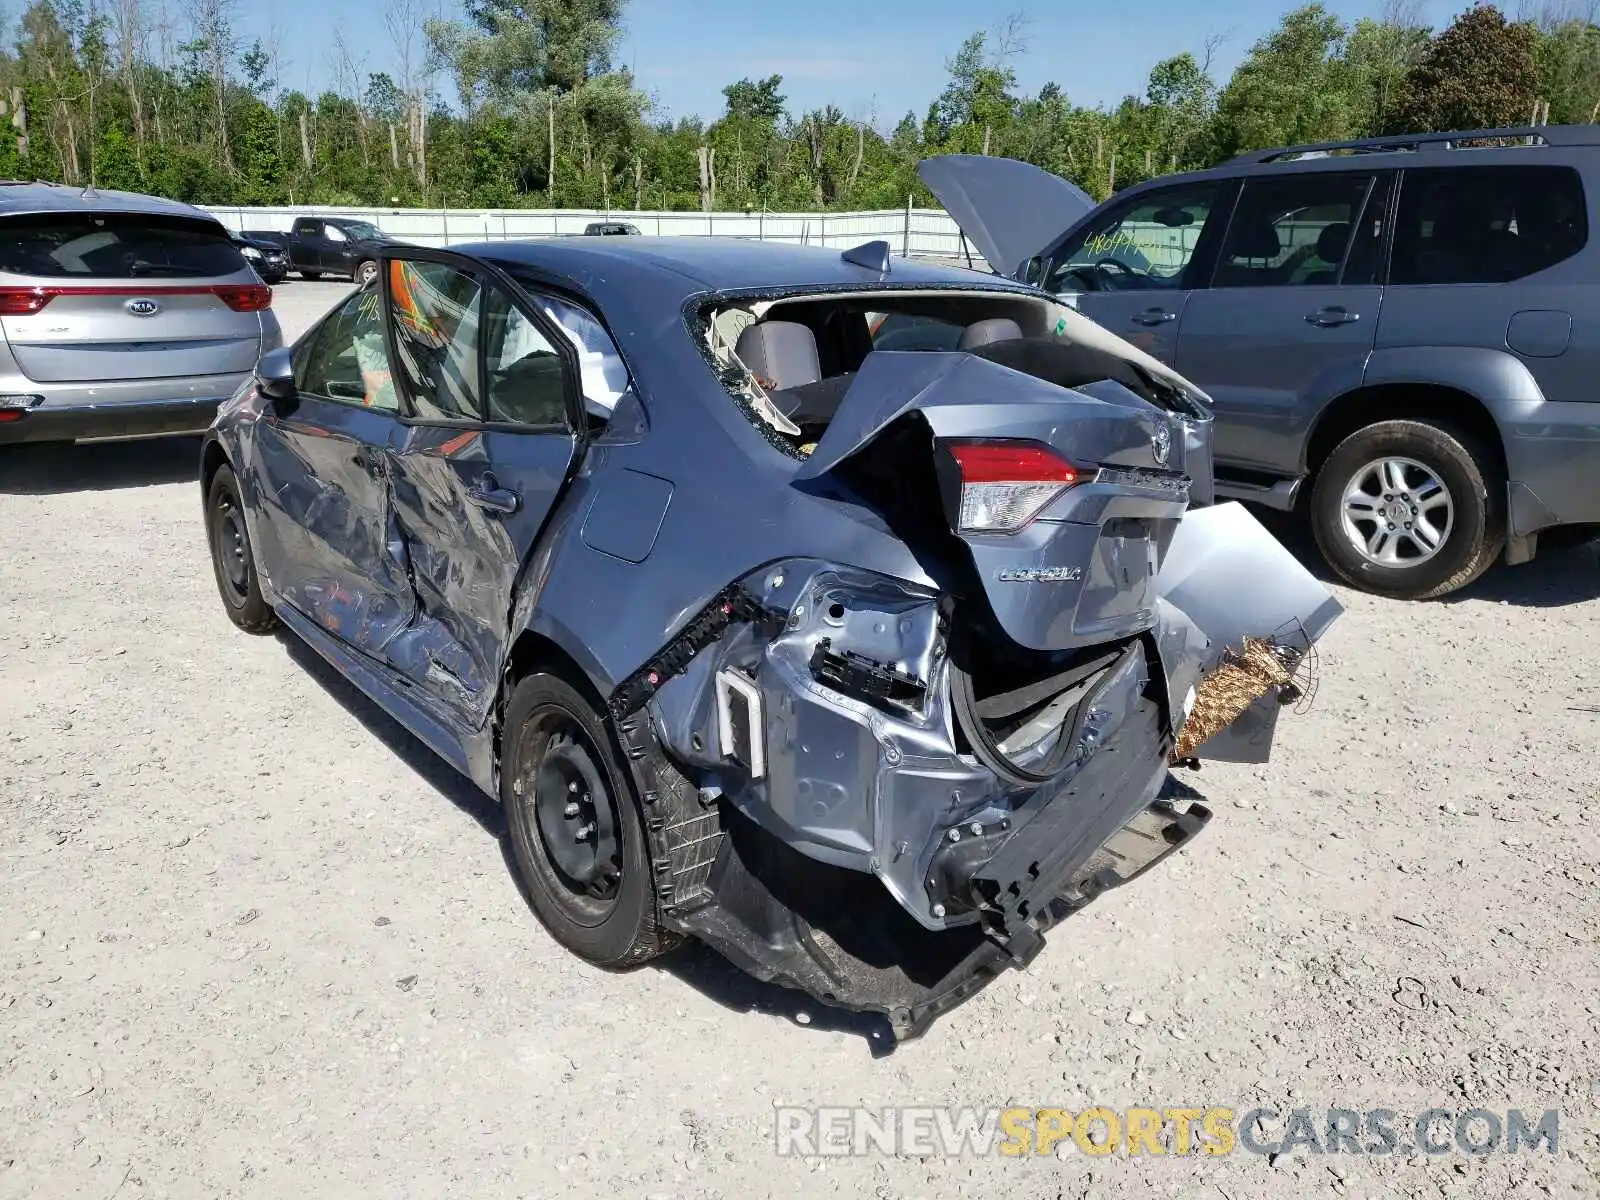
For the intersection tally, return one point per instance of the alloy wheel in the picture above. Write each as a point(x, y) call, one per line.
point(1397, 512)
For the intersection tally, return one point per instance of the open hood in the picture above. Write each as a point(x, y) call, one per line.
point(1010, 210)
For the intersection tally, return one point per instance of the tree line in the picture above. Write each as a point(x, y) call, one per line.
point(521, 104)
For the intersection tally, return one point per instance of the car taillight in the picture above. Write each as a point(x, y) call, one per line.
point(23, 301)
point(1006, 484)
point(245, 297)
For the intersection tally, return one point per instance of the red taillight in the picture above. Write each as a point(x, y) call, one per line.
point(245, 297)
point(1006, 484)
point(24, 301)
point(241, 297)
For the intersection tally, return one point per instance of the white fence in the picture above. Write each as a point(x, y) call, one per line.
point(909, 231)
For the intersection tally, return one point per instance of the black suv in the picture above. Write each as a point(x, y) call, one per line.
point(1400, 336)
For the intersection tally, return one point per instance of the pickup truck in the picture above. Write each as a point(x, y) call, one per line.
point(319, 246)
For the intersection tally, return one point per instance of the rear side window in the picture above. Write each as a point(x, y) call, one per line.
point(116, 246)
point(1291, 230)
point(1486, 224)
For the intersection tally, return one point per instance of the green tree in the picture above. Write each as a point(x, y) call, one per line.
point(1479, 73)
point(1292, 88)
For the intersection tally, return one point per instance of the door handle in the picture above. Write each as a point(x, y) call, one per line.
point(487, 493)
point(1327, 318)
point(1153, 316)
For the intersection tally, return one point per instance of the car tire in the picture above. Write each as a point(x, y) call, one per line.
point(560, 774)
point(311, 276)
point(232, 559)
point(366, 272)
point(1441, 476)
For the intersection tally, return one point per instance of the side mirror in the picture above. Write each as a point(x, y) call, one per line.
point(275, 376)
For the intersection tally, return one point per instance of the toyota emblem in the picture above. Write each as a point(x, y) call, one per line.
point(1161, 444)
point(143, 307)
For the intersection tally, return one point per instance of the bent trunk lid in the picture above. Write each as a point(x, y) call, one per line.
point(1083, 570)
point(1010, 210)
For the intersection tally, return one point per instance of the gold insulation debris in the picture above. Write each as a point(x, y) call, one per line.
point(1243, 677)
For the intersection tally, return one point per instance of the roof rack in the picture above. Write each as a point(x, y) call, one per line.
point(1542, 135)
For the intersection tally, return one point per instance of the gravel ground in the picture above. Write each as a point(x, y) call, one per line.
point(255, 941)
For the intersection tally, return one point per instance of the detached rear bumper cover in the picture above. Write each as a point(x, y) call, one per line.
point(869, 859)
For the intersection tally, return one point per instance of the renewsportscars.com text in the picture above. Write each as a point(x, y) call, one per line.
point(1175, 1130)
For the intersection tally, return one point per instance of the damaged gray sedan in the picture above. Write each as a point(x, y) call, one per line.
point(863, 666)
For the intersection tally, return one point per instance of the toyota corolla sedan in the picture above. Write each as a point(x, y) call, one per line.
point(863, 666)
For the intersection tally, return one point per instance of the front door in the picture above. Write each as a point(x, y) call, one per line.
point(1131, 268)
point(1289, 317)
point(492, 409)
point(337, 251)
point(328, 542)
point(305, 244)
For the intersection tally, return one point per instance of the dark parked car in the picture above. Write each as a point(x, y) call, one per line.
point(121, 315)
point(319, 246)
point(266, 257)
point(1399, 336)
point(863, 667)
point(610, 229)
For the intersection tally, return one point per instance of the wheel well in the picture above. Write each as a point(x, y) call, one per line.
point(533, 652)
point(1403, 401)
point(211, 458)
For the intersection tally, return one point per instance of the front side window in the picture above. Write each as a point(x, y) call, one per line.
point(1486, 224)
point(1291, 230)
point(359, 230)
point(1149, 244)
point(333, 233)
point(346, 359)
point(434, 310)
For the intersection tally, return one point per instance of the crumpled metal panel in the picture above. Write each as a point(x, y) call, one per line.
point(1230, 578)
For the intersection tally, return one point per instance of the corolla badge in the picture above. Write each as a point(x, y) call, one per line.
point(1161, 445)
point(142, 307)
point(1040, 574)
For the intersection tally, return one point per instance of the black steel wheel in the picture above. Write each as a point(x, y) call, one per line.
point(576, 833)
point(232, 560)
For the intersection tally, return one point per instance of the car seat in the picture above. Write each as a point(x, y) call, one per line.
point(782, 354)
point(1330, 249)
point(988, 331)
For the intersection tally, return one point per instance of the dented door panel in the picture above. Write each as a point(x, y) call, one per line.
point(472, 503)
point(325, 529)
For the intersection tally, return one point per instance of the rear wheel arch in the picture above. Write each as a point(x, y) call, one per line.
point(533, 652)
point(1439, 404)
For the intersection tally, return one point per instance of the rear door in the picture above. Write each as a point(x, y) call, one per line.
point(103, 296)
point(492, 408)
point(1132, 266)
point(330, 543)
point(1291, 311)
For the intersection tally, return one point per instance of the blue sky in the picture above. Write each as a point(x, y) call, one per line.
point(868, 57)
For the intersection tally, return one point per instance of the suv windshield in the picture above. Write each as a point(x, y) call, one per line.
point(116, 246)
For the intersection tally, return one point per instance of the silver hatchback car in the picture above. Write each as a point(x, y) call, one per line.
point(122, 315)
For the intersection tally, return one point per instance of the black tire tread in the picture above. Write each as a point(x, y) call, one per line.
point(648, 939)
point(255, 615)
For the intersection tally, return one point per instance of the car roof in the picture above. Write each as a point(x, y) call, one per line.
point(1411, 149)
point(35, 198)
point(724, 264)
